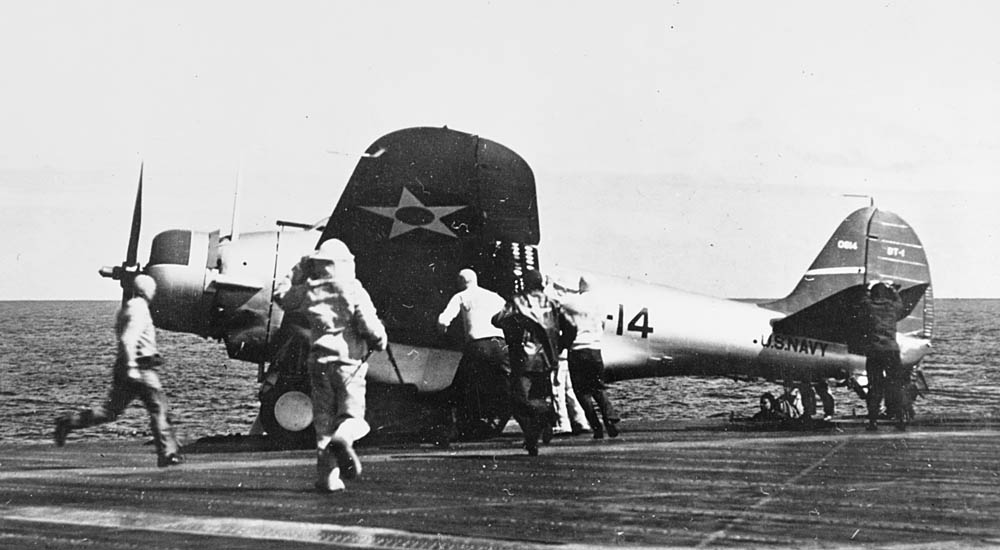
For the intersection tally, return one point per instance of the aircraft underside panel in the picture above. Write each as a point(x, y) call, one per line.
point(429, 370)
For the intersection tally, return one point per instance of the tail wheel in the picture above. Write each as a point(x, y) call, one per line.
point(286, 414)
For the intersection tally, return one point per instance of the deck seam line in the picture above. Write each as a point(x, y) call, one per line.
point(769, 497)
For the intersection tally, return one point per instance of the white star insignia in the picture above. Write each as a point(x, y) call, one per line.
point(412, 205)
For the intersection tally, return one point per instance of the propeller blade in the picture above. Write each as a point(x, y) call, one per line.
point(130, 268)
point(133, 239)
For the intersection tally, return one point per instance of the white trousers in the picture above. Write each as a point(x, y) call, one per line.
point(338, 397)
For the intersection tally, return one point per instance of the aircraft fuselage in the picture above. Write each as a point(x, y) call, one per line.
point(652, 331)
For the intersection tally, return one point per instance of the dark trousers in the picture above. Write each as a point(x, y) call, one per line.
point(482, 382)
point(586, 370)
point(123, 391)
point(823, 391)
point(531, 399)
point(883, 370)
point(898, 397)
point(810, 392)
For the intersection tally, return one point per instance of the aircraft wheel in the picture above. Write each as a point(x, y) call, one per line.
point(286, 414)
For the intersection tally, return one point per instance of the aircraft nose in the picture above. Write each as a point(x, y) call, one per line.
point(177, 261)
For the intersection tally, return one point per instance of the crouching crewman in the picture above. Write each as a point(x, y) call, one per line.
point(343, 326)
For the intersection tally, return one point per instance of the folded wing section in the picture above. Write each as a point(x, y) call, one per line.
point(422, 205)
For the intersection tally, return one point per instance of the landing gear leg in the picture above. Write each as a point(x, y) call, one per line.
point(285, 403)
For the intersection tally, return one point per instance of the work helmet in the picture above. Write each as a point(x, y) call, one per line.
point(332, 250)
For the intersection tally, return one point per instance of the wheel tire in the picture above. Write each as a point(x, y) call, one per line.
point(281, 416)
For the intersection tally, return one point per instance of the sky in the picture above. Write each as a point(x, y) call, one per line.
point(707, 146)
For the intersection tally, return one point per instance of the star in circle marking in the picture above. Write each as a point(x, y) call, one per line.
point(408, 200)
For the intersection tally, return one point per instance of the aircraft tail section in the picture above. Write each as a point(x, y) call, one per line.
point(422, 204)
point(870, 244)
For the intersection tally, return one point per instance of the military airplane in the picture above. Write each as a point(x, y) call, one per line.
point(424, 203)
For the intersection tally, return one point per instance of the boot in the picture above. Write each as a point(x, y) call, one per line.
point(347, 459)
point(172, 459)
point(327, 477)
point(612, 428)
point(62, 430)
point(332, 483)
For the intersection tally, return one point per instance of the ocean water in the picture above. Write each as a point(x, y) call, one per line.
point(56, 357)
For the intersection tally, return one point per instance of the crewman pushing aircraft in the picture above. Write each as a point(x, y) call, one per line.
point(586, 365)
point(881, 309)
point(484, 357)
point(530, 322)
point(344, 325)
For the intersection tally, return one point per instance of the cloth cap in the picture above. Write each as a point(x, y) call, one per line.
point(467, 278)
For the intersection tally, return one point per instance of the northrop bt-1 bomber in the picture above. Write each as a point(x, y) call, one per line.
point(424, 203)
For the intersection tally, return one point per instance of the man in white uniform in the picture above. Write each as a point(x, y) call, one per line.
point(484, 357)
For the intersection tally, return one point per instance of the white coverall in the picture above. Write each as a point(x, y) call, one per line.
point(343, 326)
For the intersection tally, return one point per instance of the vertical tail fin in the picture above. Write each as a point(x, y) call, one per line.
point(870, 244)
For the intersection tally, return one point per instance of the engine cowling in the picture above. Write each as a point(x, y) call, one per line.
point(179, 260)
point(220, 288)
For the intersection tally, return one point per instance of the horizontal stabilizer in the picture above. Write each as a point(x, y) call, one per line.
point(834, 319)
point(869, 245)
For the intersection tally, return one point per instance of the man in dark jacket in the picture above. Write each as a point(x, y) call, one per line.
point(530, 323)
point(881, 309)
